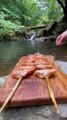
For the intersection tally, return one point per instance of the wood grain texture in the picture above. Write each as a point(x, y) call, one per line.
point(34, 91)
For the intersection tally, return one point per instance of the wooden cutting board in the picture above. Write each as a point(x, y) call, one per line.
point(34, 91)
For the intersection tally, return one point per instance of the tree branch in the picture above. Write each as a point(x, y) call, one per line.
point(65, 3)
point(59, 1)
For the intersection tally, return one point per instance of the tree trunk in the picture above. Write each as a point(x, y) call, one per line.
point(64, 7)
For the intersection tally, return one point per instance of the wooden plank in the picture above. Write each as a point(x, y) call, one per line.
point(34, 91)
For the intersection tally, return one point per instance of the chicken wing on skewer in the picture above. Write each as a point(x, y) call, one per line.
point(23, 72)
point(46, 73)
point(20, 76)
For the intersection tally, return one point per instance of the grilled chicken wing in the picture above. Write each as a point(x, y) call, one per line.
point(45, 72)
point(23, 73)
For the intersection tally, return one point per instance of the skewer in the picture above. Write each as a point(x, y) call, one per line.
point(45, 74)
point(21, 75)
point(11, 94)
point(51, 93)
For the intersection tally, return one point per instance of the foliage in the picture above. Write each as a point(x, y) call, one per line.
point(52, 10)
point(15, 14)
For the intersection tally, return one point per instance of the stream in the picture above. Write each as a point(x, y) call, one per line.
point(12, 51)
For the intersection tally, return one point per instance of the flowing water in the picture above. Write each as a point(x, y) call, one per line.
point(12, 51)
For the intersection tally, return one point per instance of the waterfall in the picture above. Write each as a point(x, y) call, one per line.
point(33, 37)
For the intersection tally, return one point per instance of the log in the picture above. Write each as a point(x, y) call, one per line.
point(52, 27)
point(34, 28)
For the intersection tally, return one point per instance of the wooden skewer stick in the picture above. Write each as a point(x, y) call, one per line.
point(11, 94)
point(22, 74)
point(51, 94)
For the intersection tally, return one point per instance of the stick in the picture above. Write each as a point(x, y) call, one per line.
point(52, 94)
point(11, 94)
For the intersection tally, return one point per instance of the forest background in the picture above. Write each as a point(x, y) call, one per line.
point(16, 15)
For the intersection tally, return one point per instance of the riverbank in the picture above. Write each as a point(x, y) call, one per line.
point(49, 31)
